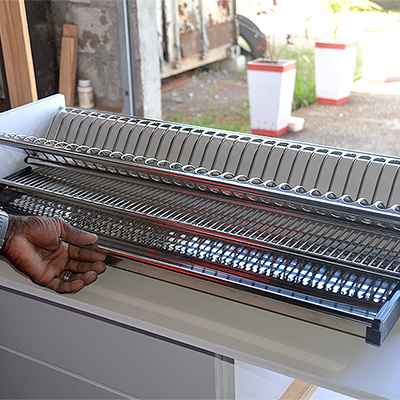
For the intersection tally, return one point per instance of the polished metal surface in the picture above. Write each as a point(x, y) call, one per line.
point(260, 249)
point(255, 225)
point(332, 182)
point(315, 227)
point(357, 175)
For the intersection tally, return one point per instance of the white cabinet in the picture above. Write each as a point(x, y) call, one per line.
point(49, 351)
point(131, 336)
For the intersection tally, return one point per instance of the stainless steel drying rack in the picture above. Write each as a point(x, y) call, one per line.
point(334, 260)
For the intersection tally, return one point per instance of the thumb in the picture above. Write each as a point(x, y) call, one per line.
point(76, 236)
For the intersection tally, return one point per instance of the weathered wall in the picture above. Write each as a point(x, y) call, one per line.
point(98, 45)
point(389, 5)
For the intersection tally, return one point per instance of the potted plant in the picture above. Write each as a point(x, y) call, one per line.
point(335, 61)
point(271, 86)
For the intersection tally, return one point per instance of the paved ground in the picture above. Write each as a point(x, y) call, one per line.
point(208, 92)
point(369, 122)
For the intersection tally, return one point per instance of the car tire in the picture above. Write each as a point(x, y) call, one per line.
point(253, 36)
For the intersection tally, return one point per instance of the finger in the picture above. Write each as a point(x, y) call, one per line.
point(87, 278)
point(75, 283)
point(76, 236)
point(83, 266)
point(85, 254)
point(66, 287)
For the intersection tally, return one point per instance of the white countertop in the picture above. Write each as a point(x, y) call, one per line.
point(318, 355)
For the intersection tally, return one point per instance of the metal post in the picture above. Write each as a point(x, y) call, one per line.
point(127, 65)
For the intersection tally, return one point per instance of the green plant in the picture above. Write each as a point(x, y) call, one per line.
point(235, 119)
point(358, 69)
point(274, 49)
point(339, 6)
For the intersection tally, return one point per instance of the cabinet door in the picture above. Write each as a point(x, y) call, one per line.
point(23, 377)
point(116, 356)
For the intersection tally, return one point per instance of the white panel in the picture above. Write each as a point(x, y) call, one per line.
point(255, 383)
point(311, 353)
point(24, 378)
point(334, 70)
point(270, 98)
point(29, 119)
point(264, 94)
point(324, 394)
point(124, 359)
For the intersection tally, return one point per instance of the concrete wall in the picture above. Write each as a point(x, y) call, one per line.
point(389, 5)
point(102, 52)
point(98, 45)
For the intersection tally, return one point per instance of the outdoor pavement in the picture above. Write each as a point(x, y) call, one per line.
point(369, 121)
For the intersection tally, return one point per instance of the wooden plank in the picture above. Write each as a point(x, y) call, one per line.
point(70, 30)
point(299, 390)
point(69, 48)
point(178, 82)
point(17, 53)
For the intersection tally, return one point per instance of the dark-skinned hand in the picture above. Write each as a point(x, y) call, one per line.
point(47, 249)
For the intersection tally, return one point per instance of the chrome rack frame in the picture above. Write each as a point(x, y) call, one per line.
point(45, 151)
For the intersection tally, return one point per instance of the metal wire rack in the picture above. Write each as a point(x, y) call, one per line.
point(262, 269)
point(339, 184)
point(315, 226)
point(311, 167)
point(258, 225)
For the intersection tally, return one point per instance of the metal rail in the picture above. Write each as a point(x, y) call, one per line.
point(259, 225)
point(357, 175)
point(228, 233)
point(354, 289)
point(49, 151)
point(247, 212)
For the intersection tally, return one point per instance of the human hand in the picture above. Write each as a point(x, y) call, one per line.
point(49, 251)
